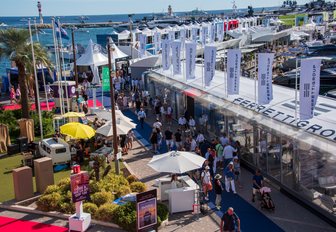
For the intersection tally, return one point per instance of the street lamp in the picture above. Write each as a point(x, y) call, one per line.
point(110, 49)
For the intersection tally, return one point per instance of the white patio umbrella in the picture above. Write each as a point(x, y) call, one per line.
point(106, 115)
point(123, 128)
point(176, 162)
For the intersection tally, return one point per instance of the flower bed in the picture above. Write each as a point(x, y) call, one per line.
point(100, 206)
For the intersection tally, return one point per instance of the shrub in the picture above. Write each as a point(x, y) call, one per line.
point(67, 207)
point(131, 179)
point(49, 202)
point(93, 186)
point(122, 191)
point(64, 185)
point(125, 216)
point(90, 208)
point(67, 197)
point(162, 212)
point(51, 189)
point(138, 187)
point(105, 212)
point(101, 198)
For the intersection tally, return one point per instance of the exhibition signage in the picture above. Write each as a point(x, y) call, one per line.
point(204, 33)
point(190, 53)
point(309, 87)
point(165, 54)
point(212, 33)
point(142, 48)
point(265, 65)
point(176, 54)
point(146, 209)
point(194, 34)
point(80, 186)
point(106, 79)
point(157, 40)
point(233, 71)
point(183, 37)
point(209, 64)
point(220, 31)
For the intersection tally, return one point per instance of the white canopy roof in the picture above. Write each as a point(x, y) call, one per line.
point(146, 30)
point(92, 56)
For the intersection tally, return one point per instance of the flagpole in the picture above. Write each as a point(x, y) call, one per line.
point(255, 78)
point(36, 31)
point(60, 91)
point(45, 88)
point(36, 83)
point(296, 90)
point(65, 81)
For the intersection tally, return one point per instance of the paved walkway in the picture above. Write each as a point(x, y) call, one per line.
point(289, 215)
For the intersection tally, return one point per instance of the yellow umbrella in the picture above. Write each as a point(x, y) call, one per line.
point(77, 130)
point(73, 115)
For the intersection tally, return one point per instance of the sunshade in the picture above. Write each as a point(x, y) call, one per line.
point(73, 115)
point(176, 162)
point(77, 130)
point(123, 127)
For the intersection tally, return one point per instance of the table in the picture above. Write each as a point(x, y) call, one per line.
point(103, 151)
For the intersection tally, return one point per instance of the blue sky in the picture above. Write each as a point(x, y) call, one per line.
point(95, 7)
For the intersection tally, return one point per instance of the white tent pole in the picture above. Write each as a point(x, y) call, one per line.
point(255, 78)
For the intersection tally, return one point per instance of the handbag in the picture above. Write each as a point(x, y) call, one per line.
point(209, 186)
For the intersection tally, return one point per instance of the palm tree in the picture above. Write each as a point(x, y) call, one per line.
point(12, 45)
point(15, 44)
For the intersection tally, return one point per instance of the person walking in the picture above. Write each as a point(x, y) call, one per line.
point(154, 140)
point(192, 125)
point(236, 168)
point(229, 178)
point(141, 117)
point(230, 222)
point(178, 139)
point(206, 182)
point(258, 183)
point(218, 190)
point(168, 135)
point(219, 151)
point(169, 115)
point(228, 154)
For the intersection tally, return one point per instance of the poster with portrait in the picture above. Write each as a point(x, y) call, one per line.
point(146, 211)
point(80, 186)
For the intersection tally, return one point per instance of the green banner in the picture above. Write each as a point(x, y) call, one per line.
point(106, 79)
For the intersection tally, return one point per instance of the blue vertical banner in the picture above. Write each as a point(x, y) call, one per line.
point(209, 64)
point(190, 56)
point(265, 89)
point(233, 71)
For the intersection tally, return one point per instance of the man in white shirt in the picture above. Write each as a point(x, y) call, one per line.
point(193, 143)
point(141, 117)
point(206, 182)
point(192, 125)
point(228, 154)
point(200, 138)
point(157, 124)
point(182, 122)
point(224, 140)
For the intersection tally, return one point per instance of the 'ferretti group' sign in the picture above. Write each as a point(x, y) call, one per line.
point(317, 129)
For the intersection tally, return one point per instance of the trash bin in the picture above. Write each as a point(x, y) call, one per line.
point(23, 143)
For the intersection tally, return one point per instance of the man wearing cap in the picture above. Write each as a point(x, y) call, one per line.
point(230, 221)
point(229, 178)
point(218, 190)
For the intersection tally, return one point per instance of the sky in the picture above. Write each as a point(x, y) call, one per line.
point(103, 7)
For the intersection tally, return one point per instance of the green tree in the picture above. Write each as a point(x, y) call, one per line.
point(13, 43)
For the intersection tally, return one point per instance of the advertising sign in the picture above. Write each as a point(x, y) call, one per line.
point(106, 79)
point(80, 186)
point(146, 208)
point(190, 55)
point(165, 54)
point(233, 70)
point(209, 64)
point(176, 54)
point(265, 89)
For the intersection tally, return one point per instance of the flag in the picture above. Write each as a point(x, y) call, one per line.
point(58, 30)
point(157, 41)
point(190, 54)
point(176, 55)
point(220, 31)
point(171, 35)
point(142, 47)
point(183, 37)
point(194, 34)
point(165, 54)
point(204, 35)
point(212, 33)
point(309, 87)
point(233, 71)
point(209, 64)
point(265, 91)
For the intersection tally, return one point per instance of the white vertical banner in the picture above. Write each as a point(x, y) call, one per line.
point(212, 33)
point(233, 71)
point(157, 40)
point(142, 47)
point(220, 31)
point(194, 34)
point(190, 55)
point(209, 64)
point(204, 35)
point(309, 87)
point(265, 65)
point(165, 54)
point(171, 35)
point(176, 54)
point(183, 37)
